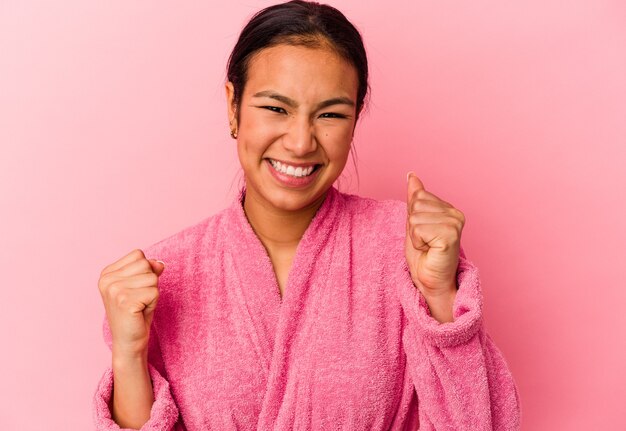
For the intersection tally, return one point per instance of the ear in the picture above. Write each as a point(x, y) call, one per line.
point(230, 103)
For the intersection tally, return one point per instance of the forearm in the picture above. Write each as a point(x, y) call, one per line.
point(440, 306)
point(132, 392)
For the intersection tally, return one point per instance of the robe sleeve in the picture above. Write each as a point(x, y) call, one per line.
point(164, 415)
point(461, 379)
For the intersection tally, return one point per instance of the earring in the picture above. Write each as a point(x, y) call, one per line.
point(233, 133)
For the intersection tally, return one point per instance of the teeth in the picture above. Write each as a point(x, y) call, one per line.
point(290, 170)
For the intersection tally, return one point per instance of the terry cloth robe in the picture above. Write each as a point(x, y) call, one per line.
point(350, 346)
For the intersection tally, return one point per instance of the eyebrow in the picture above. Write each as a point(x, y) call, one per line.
point(290, 102)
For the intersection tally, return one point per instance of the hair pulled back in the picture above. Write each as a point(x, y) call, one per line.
point(304, 23)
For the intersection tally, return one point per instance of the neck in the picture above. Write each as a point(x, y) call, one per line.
point(278, 229)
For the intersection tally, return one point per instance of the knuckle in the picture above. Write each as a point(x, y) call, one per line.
point(415, 231)
point(104, 271)
point(144, 265)
point(459, 225)
point(121, 299)
point(421, 205)
point(101, 285)
point(114, 290)
point(452, 231)
point(104, 276)
point(459, 214)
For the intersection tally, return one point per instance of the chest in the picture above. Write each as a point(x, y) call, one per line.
point(301, 340)
point(281, 264)
point(329, 350)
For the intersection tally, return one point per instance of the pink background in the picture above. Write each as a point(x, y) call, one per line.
point(113, 135)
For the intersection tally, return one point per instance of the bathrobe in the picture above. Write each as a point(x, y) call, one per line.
point(351, 344)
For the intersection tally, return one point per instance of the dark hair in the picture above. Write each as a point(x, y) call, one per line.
point(298, 22)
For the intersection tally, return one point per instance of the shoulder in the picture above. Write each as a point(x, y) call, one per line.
point(184, 246)
point(378, 234)
point(386, 218)
point(189, 254)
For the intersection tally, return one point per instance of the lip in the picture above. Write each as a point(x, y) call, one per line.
point(288, 180)
point(301, 165)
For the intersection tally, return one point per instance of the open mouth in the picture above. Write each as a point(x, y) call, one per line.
point(292, 171)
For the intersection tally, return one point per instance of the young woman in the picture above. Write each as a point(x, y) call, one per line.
point(299, 306)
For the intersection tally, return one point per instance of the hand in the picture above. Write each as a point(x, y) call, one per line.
point(129, 292)
point(433, 237)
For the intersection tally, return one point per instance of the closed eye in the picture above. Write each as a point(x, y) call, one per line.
point(332, 115)
point(274, 109)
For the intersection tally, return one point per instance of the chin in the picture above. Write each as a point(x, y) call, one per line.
point(292, 200)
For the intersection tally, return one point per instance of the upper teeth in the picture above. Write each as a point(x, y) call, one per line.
point(291, 170)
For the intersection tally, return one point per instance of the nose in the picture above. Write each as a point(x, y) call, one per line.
point(300, 137)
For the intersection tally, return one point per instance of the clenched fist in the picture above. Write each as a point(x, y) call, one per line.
point(129, 290)
point(433, 237)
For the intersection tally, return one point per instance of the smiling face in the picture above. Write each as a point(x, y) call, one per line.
point(298, 107)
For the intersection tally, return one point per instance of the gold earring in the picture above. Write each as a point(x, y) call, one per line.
point(233, 131)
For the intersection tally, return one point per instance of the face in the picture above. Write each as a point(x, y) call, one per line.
point(298, 108)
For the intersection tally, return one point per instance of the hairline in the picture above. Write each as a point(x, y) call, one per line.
point(310, 40)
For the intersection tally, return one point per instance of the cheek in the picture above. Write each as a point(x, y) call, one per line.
point(258, 128)
point(336, 140)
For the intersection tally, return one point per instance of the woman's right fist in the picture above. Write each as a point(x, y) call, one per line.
point(129, 292)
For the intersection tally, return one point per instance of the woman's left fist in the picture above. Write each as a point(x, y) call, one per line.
point(433, 238)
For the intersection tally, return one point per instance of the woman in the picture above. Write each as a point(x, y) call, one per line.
point(301, 307)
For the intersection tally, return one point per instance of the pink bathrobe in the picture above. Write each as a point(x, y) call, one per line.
point(350, 346)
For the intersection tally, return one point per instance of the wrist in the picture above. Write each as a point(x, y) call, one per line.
point(129, 361)
point(441, 304)
point(446, 291)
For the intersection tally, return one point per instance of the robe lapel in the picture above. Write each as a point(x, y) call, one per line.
point(272, 322)
point(309, 269)
point(256, 297)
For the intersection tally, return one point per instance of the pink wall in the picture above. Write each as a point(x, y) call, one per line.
point(113, 134)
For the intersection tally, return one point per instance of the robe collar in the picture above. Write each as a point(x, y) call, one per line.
point(314, 237)
point(267, 317)
point(272, 324)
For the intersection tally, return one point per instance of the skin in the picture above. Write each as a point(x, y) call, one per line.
point(299, 131)
point(432, 247)
point(129, 290)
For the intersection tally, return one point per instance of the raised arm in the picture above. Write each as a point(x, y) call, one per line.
point(461, 378)
point(134, 392)
point(164, 413)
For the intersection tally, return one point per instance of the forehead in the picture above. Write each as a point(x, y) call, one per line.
point(300, 71)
